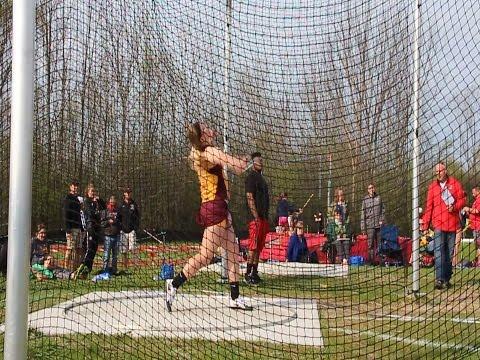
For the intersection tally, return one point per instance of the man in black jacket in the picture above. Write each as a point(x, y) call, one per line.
point(73, 226)
point(129, 218)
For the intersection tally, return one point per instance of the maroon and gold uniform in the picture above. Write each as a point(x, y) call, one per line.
point(213, 191)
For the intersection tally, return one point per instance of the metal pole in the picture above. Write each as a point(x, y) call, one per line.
point(329, 182)
point(319, 178)
point(226, 102)
point(416, 152)
point(20, 195)
point(226, 72)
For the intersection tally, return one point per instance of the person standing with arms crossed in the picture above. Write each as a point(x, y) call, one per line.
point(208, 162)
point(445, 199)
point(129, 218)
point(371, 219)
point(72, 206)
point(258, 203)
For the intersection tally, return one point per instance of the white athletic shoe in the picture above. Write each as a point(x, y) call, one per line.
point(170, 294)
point(239, 303)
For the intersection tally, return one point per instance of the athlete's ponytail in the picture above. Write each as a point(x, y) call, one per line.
point(194, 133)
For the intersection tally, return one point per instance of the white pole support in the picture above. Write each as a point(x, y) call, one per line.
point(226, 103)
point(329, 182)
point(20, 195)
point(416, 152)
point(226, 72)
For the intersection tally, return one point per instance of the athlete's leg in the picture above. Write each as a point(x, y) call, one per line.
point(210, 242)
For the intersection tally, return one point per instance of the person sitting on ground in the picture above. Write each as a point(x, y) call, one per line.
point(50, 271)
point(40, 246)
point(297, 250)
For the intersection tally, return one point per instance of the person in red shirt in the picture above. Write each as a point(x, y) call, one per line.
point(473, 213)
point(445, 200)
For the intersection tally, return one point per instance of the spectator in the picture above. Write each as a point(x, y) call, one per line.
point(340, 205)
point(297, 250)
point(258, 203)
point(371, 219)
point(129, 218)
point(445, 199)
point(40, 246)
point(284, 209)
point(94, 210)
point(3, 254)
point(473, 213)
point(111, 230)
point(318, 218)
point(48, 270)
point(338, 233)
point(464, 224)
point(72, 205)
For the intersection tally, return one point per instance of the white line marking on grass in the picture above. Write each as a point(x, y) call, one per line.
point(416, 318)
point(429, 343)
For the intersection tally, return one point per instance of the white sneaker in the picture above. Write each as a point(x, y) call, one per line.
point(239, 303)
point(170, 294)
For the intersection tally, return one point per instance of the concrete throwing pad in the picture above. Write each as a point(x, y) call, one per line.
point(143, 313)
point(292, 269)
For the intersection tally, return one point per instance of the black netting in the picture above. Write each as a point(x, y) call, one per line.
point(324, 90)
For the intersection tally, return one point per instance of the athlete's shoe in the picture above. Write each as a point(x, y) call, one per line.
point(170, 294)
point(222, 280)
point(239, 304)
point(255, 279)
point(247, 279)
point(81, 272)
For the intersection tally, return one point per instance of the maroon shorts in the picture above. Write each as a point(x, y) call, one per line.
point(212, 213)
point(257, 231)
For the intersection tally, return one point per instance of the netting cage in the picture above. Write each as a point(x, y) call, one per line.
point(291, 126)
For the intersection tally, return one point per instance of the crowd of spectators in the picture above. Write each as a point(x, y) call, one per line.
point(88, 222)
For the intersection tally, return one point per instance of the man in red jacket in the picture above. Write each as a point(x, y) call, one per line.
point(445, 200)
point(474, 216)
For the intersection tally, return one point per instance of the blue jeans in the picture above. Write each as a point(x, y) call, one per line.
point(444, 243)
point(111, 246)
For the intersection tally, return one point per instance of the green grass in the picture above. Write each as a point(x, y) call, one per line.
point(356, 317)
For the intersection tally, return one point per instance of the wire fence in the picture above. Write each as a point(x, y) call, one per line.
point(323, 90)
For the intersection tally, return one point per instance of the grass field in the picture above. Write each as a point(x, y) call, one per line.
point(367, 315)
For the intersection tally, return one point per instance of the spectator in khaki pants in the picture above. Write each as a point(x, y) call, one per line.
point(72, 216)
point(129, 219)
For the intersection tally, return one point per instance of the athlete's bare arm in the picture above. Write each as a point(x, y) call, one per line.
point(217, 156)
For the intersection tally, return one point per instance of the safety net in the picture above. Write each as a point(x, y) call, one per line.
point(235, 179)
